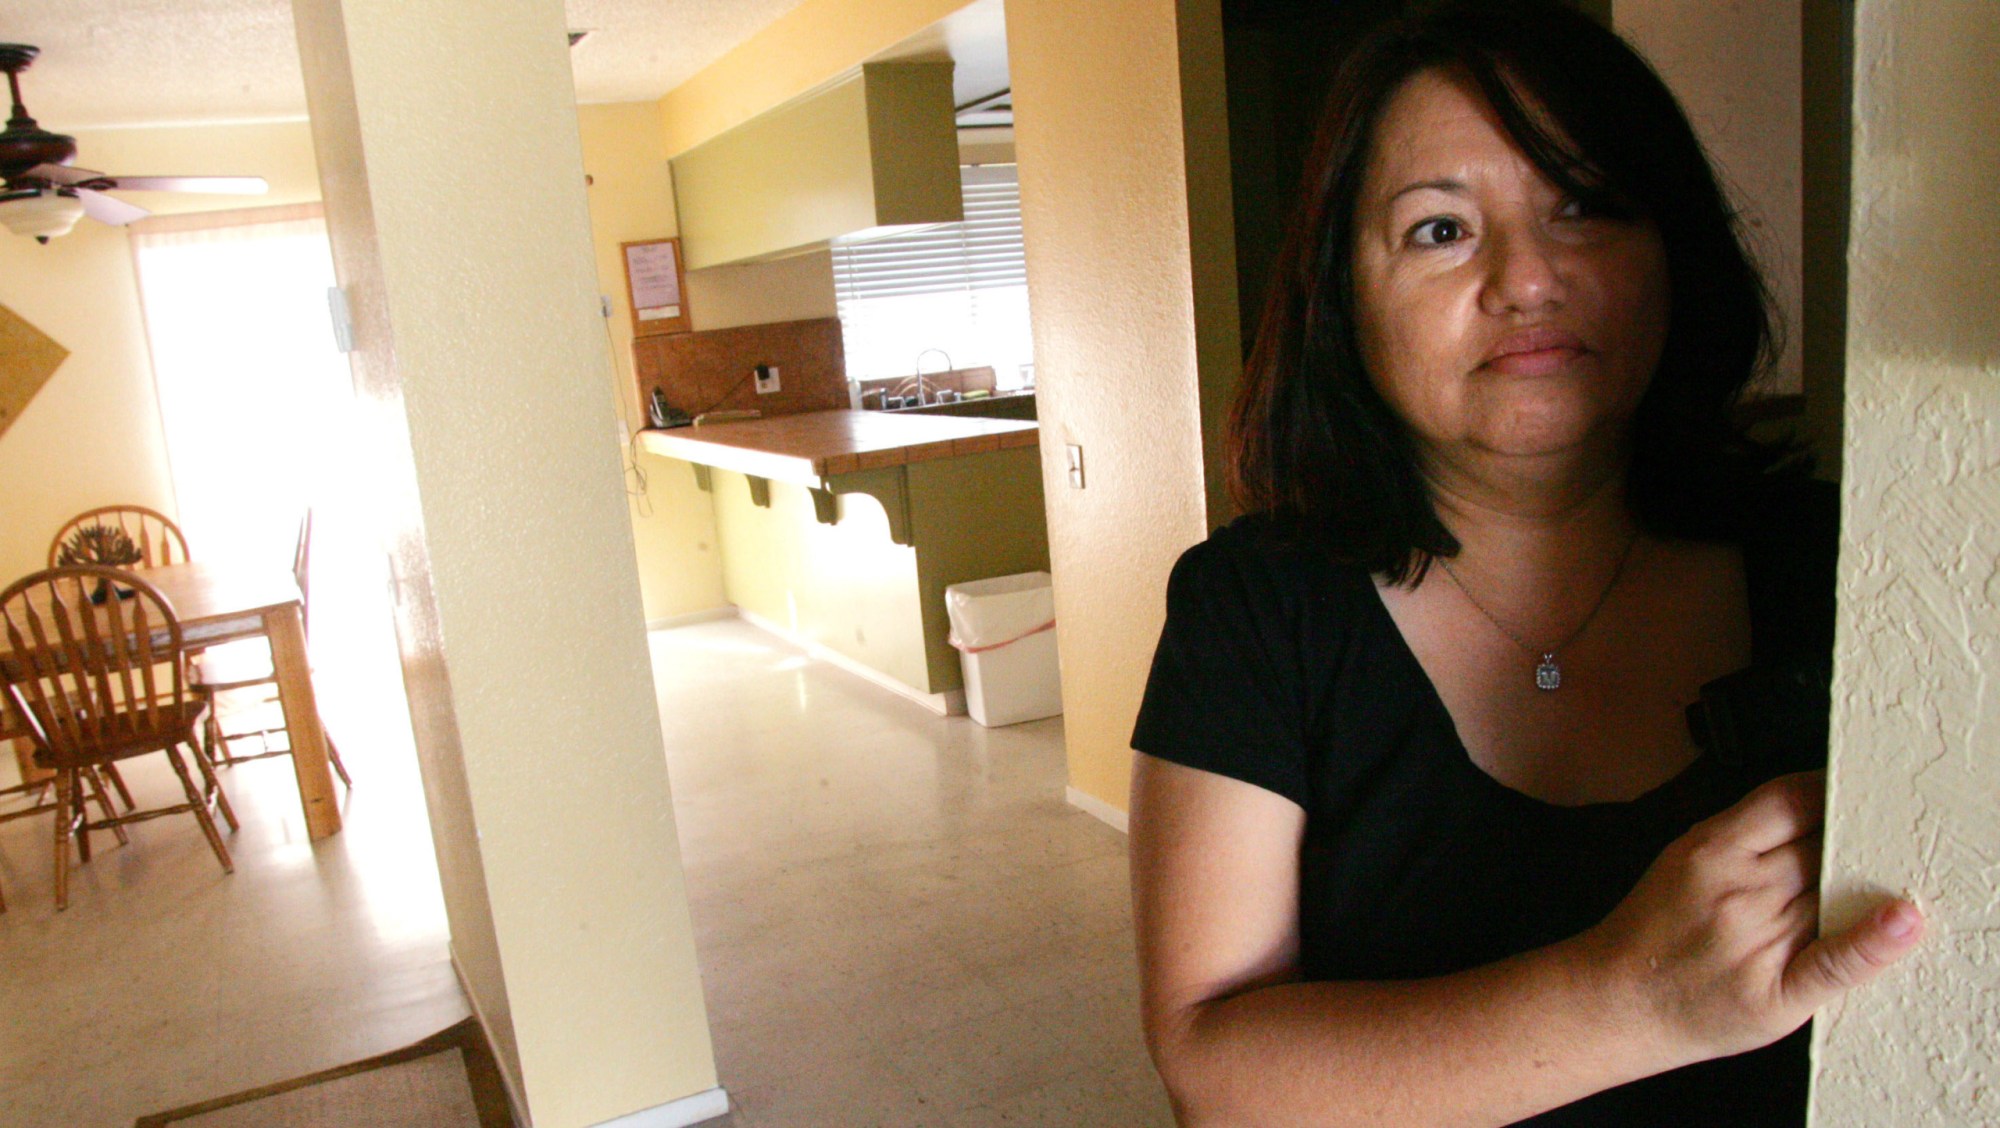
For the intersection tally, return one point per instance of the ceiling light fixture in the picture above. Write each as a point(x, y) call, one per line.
point(43, 213)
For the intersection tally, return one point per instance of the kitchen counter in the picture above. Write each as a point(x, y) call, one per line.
point(806, 551)
point(809, 448)
point(1001, 405)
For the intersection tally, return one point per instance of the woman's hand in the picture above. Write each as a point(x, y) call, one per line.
point(1718, 937)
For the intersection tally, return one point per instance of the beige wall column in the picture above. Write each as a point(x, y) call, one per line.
point(1916, 738)
point(449, 154)
point(1125, 202)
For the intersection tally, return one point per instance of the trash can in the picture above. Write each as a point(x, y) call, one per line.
point(1004, 629)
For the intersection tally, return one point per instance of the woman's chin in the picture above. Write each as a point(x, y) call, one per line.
point(1586, 441)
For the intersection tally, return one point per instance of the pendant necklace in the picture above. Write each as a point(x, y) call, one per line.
point(1548, 672)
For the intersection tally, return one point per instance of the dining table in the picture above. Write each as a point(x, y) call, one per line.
point(220, 601)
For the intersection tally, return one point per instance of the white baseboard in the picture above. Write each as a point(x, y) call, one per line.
point(1097, 808)
point(709, 616)
point(690, 1110)
point(950, 703)
point(699, 1108)
point(517, 1103)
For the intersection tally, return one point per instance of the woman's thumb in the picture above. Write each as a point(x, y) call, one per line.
point(1834, 964)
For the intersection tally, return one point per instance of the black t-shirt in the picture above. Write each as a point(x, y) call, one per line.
point(1283, 669)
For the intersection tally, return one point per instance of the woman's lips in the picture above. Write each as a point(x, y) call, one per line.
point(1534, 352)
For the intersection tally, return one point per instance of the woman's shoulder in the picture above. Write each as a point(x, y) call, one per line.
point(1284, 542)
point(1259, 620)
point(1275, 562)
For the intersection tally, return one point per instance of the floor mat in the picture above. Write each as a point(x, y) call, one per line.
point(447, 1080)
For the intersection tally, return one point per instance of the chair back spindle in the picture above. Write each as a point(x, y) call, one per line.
point(157, 538)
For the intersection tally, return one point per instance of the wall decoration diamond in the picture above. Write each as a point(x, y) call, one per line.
point(28, 357)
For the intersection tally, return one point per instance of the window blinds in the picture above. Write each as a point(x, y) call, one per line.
point(960, 288)
point(984, 252)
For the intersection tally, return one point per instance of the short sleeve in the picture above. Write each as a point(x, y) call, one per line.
point(1226, 692)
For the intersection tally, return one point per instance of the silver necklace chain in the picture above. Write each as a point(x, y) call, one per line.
point(1548, 672)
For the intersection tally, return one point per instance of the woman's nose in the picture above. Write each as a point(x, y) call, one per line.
point(1523, 272)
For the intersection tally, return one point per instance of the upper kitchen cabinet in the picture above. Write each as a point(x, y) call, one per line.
point(872, 152)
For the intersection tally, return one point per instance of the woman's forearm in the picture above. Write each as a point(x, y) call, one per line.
point(1488, 1046)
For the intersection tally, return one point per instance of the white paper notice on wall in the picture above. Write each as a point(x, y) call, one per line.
point(656, 280)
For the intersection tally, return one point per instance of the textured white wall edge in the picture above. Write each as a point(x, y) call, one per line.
point(1913, 803)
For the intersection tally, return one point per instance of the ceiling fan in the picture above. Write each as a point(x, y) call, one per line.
point(43, 196)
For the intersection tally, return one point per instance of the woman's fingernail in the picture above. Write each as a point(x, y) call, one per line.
point(1900, 920)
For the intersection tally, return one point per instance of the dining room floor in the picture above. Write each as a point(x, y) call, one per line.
point(899, 919)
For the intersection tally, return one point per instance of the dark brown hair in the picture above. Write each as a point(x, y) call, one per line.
point(1309, 436)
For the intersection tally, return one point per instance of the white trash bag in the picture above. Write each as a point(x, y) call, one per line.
point(989, 614)
point(1004, 631)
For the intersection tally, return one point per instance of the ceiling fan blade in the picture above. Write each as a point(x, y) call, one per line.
point(104, 209)
point(226, 185)
point(65, 175)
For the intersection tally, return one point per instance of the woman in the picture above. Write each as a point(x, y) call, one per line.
point(1436, 845)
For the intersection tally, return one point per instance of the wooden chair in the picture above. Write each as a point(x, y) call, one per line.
point(157, 538)
point(235, 666)
point(152, 533)
point(83, 666)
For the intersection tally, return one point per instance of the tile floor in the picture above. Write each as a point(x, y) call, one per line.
point(900, 920)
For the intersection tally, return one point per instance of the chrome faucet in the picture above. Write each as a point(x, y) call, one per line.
point(922, 383)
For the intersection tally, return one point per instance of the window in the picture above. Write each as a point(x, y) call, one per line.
point(257, 409)
point(252, 392)
point(959, 287)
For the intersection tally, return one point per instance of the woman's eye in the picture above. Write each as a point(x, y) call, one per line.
point(1436, 232)
point(1573, 208)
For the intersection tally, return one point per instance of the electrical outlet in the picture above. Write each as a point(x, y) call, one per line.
point(767, 379)
point(1075, 466)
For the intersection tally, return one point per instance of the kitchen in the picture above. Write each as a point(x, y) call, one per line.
point(881, 213)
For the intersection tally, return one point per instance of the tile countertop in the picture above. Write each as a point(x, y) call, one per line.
point(812, 446)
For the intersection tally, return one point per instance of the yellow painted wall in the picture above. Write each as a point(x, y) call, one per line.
point(92, 436)
point(631, 199)
point(1120, 209)
point(812, 44)
point(1916, 736)
point(846, 586)
point(482, 364)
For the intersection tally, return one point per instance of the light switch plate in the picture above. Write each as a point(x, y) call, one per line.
point(343, 320)
point(1075, 466)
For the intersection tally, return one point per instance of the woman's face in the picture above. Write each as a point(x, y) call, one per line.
point(1494, 314)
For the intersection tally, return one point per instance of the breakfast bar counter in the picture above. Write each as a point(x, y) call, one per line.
point(807, 552)
point(816, 445)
